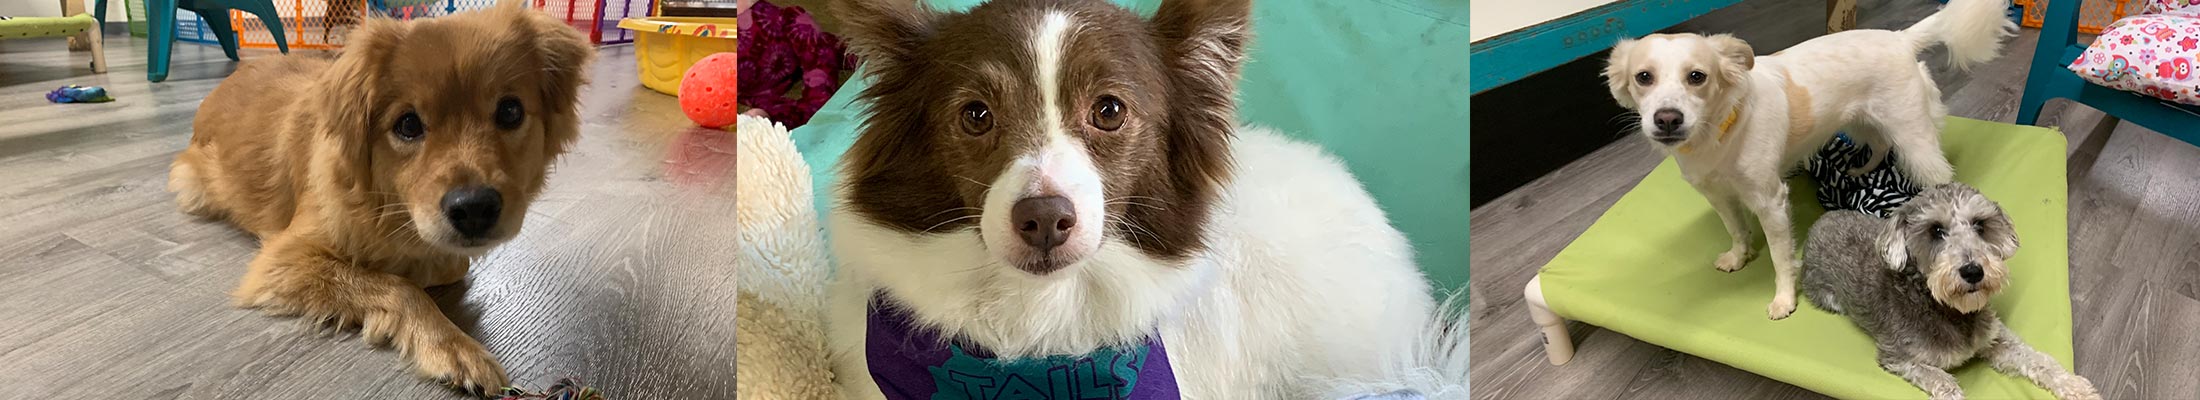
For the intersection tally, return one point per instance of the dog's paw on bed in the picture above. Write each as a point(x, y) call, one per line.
point(1734, 260)
point(1781, 307)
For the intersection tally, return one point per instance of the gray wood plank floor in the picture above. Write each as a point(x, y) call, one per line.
point(2134, 222)
point(622, 278)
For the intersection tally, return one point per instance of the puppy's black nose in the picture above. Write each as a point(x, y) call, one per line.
point(1043, 222)
point(1667, 120)
point(1971, 273)
point(473, 210)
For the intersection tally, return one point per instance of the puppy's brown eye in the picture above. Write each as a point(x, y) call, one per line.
point(1642, 78)
point(1107, 113)
point(510, 113)
point(1939, 232)
point(977, 119)
point(409, 128)
point(1696, 78)
point(1978, 224)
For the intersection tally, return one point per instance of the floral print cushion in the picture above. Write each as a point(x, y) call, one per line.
point(2152, 54)
point(2162, 6)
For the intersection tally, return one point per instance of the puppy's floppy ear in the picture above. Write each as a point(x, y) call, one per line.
point(885, 34)
point(1616, 74)
point(564, 55)
point(1894, 243)
point(1203, 43)
point(2000, 235)
point(1737, 54)
point(349, 85)
point(351, 97)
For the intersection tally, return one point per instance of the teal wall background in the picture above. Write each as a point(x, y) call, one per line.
point(1380, 83)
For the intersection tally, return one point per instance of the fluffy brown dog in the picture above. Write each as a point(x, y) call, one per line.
point(374, 174)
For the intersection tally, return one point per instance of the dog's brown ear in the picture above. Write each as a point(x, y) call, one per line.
point(1616, 75)
point(885, 34)
point(564, 55)
point(1736, 52)
point(351, 117)
point(1203, 45)
point(349, 85)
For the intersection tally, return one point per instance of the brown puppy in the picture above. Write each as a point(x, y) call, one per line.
point(374, 174)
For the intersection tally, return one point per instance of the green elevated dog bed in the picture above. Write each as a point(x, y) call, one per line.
point(34, 27)
point(1644, 270)
point(29, 27)
point(1381, 84)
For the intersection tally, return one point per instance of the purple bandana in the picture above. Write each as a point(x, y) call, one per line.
point(915, 364)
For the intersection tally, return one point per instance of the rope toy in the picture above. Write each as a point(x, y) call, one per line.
point(565, 389)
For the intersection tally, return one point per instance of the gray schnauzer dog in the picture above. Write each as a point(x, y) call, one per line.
point(1918, 283)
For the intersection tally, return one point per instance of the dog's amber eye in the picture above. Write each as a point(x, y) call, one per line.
point(1696, 77)
point(1642, 78)
point(977, 119)
point(409, 127)
point(1107, 113)
point(510, 113)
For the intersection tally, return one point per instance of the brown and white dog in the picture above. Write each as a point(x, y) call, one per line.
point(1043, 178)
point(382, 171)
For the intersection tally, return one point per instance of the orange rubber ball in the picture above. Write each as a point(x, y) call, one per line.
point(708, 92)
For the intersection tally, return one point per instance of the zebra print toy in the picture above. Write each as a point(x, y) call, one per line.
point(1874, 192)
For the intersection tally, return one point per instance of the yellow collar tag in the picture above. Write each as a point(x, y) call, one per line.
point(1725, 129)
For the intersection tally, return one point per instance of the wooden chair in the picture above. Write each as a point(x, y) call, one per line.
point(2050, 78)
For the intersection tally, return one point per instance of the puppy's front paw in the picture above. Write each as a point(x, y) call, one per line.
point(1781, 307)
point(2076, 388)
point(1732, 260)
point(461, 362)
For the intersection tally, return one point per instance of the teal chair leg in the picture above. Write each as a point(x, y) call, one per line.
point(218, 21)
point(2047, 78)
point(266, 11)
point(161, 24)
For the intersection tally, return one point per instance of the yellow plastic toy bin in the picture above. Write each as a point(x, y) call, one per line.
point(666, 46)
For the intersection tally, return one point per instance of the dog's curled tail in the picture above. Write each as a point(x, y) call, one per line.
point(1972, 30)
point(1433, 367)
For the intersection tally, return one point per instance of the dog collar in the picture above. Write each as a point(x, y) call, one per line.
point(912, 363)
point(1725, 128)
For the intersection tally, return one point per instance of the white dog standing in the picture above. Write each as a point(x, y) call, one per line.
point(1736, 122)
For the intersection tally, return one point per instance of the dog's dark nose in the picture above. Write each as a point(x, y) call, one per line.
point(1667, 120)
point(473, 210)
point(1971, 273)
point(1043, 222)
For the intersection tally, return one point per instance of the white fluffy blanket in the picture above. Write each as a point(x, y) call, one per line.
point(781, 268)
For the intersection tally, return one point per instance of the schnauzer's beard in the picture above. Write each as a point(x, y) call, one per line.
point(1950, 290)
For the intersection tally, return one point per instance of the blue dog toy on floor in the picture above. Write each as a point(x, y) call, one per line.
point(79, 94)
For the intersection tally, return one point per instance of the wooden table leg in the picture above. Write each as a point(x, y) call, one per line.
point(82, 41)
point(1840, 15)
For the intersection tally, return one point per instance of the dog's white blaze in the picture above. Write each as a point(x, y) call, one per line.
point(1046, 50)
point(1058, 167)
